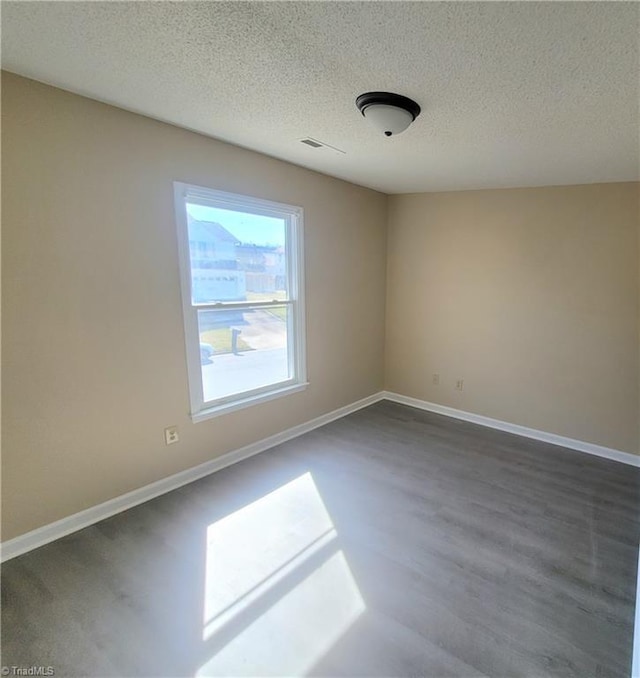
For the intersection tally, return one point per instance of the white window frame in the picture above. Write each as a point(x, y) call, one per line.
point(294, 248)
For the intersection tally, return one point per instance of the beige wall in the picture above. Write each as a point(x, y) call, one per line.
point(530, 296)
point(93, 348)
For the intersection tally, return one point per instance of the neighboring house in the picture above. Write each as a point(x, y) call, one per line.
point(264, 265)
point(214, 263)
point(224, 269)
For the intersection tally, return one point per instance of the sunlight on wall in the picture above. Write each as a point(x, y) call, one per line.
point(277, 584)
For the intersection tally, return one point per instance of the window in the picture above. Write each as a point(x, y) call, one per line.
point(242, 283)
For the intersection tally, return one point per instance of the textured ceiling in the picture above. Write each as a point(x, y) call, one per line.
point(512, 94)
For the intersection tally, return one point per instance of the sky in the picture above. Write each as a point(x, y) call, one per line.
point(248, 228)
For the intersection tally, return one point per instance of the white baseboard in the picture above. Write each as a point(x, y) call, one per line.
point(48, 533)
point(562, 441)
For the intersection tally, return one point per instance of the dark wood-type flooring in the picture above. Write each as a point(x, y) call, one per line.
point(393, 542)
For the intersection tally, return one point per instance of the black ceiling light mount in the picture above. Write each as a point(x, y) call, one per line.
point(390, 113)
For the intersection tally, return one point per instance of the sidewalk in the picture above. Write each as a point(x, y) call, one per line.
point(233, 373)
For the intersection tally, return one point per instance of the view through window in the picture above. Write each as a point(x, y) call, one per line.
point(241, 291)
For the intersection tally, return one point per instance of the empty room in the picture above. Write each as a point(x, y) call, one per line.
point(320, 339)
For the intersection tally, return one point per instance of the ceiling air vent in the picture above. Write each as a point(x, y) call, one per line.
point(314, 143)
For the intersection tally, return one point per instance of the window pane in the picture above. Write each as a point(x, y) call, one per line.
point(236, 256)
point(243, 350)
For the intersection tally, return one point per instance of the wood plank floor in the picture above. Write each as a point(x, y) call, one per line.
point(392, 542)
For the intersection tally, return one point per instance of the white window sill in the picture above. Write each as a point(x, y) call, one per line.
point(225, 408)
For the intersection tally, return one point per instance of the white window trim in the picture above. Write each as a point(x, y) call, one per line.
point(293, 217)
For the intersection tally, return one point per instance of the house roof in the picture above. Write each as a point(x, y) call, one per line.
point(209, 231)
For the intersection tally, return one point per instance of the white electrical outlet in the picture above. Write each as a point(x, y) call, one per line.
point(459, 384)
point(171, 435)
point(436, 379)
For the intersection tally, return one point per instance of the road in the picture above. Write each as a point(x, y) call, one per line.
point(230, 373)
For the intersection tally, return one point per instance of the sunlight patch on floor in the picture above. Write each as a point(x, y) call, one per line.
point(286, 618)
